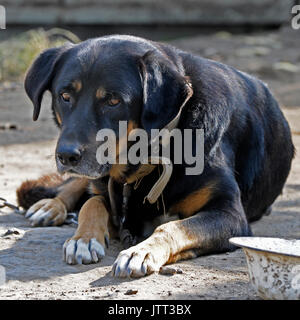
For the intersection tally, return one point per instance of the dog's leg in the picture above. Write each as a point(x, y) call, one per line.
point(53, 212)
point(87, 245)
point(205, 232)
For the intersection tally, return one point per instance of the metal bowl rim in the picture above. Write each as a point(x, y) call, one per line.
point(235, 241)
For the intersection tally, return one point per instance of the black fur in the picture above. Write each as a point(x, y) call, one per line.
point(248, 146)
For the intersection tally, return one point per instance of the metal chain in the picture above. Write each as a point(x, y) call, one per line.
point(71, 216)
point(4, 203)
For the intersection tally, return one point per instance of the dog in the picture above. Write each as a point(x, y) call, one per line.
point(97, 83)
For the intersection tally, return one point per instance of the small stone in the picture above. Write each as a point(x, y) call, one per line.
point(12, 126)
point(131, 292)
point(170, 271)
point(8, 126)
point(10, 231)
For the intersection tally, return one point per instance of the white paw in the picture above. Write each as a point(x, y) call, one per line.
point(134, 262)
point(47, 212)
point(81, 252)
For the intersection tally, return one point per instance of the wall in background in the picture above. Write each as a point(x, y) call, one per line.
point(148, 12)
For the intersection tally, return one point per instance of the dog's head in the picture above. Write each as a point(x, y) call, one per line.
point(98, 83)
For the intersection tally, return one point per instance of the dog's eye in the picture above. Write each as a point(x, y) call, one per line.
point(113, 101)
point(66, 96)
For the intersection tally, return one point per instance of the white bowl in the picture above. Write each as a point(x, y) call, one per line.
point(273, 265)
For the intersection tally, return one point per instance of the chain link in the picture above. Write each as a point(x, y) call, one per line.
point(4, 203)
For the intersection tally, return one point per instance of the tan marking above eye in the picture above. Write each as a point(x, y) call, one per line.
point(66, 96)
point(77, 85)
point(100, 93)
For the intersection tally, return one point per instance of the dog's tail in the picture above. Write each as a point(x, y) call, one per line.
point(32, 191)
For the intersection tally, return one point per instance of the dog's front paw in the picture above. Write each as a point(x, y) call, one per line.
point(47, 212)
point(80, 251)
point(135, 262)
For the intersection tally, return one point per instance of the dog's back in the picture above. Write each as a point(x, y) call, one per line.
point(258, 135)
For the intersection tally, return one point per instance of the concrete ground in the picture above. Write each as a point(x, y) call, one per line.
point(32, 257)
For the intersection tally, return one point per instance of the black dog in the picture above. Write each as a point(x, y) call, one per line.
point(95, 84)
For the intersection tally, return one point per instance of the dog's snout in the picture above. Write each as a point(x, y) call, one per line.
point(69, 155)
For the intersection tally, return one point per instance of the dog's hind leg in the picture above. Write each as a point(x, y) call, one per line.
point(53, 211)
point(32, 191)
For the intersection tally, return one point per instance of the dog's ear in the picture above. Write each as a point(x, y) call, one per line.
point(164, 91)
point(39, 76)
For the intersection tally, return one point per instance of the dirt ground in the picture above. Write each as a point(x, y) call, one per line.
point(32, 257)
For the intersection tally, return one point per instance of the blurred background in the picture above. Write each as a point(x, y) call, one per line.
point(255, 36)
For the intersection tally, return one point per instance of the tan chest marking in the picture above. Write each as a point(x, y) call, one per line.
point(193, 202)
point(117, 171)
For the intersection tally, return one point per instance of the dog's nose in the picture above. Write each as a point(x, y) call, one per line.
point(69, 155)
